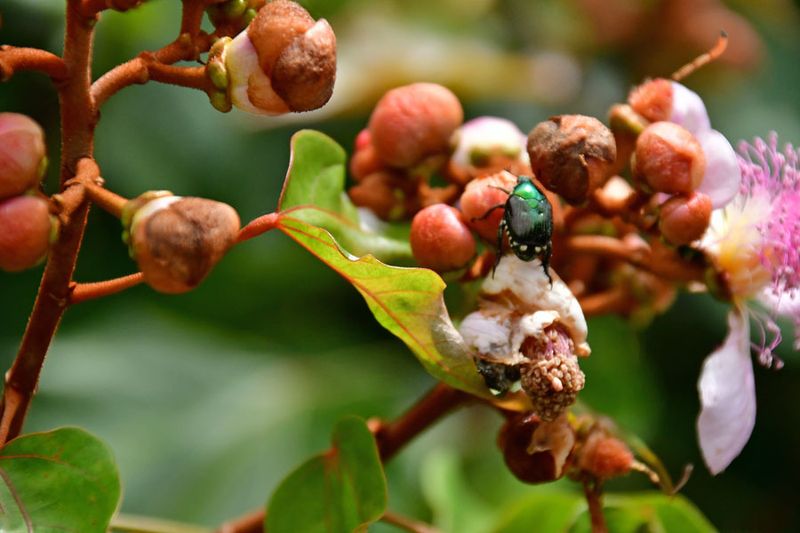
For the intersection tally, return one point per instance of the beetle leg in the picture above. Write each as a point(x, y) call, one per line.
point(487, 213)
point(545, 259)
point(499, 254)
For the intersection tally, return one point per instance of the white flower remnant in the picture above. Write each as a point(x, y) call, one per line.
point(531, 331)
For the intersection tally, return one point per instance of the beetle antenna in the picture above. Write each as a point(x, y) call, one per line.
point(704, 59)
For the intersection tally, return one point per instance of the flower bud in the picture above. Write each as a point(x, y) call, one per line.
point(177, 241)
point(665, 100)
point(684, 218)
point(483, 137)
point(604, 456)
point(572, 155)
point(536, 451)
point(283, 62)
point(669, 158)
point(22, 154)
point(365, 160)
point(389, 196)
point(480, 196)
point(412, 122)
point(440, 240)
point(26, 231)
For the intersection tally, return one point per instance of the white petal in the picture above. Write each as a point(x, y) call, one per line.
point(727, 397)
point(723, 177)
point(688, 109)
point(488, 135)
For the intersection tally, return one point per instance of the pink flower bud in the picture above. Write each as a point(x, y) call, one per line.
point(177, 241)
point(26, 228)
point(440, 240)
point(480, 196)
point(684, 218)
point(483, 137)
point(414, 121)
point(365, 160)
point(572, 155)
point(669, 158)
point(665, 100)
point(22, 154)
point(283, 62)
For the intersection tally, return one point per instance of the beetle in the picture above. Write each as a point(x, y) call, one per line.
point(528, 221)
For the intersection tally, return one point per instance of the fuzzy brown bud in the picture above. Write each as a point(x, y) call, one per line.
point(389, 196)
point(551, 377)
point(535, 451)
point(440, 240)
point(669, 158)
point(483, 195)
point(412, 122)
point(177, 241)
point(653, 99)
point(572, 155)
point(22, 154)
point(26, 229)
point(365, 160)
point(605, 457)
point(684, 218)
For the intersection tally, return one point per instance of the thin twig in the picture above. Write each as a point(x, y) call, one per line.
point(407, 524)
point(614, 300)
point(82, 292)
point(594, 498)
point(13, 59)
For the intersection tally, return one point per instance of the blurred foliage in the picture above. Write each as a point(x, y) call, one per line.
point(210, 398)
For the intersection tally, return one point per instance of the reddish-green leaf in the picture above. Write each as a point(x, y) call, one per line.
point(406, 301)
point(61, 480)
point(343, 489)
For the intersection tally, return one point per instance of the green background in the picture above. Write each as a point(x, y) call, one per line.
point(208, 399)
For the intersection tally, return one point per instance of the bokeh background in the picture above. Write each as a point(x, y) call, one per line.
point(210, 398)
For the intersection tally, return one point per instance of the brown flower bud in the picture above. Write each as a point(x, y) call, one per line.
point(551, 377)
point(389, 196)
point(652, 99)
point(669, 158)
point(480, 196)
point(604, 456)
point(365, 160)
point(22, 154)
point(412, 122)
point(440, 240)
point(26, 230)
point(536, 451)
point(177, 241)
point(283, 62)
point(684, 218)
point(572, 155)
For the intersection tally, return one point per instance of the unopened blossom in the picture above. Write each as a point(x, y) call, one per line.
point(483, 137)
point(755, 244)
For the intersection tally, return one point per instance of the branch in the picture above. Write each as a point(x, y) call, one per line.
point(91, 8)
point(389, 437)
point(407, 524)
point(13, 59)
point(81, 292)
point(593, 493)
point(78, 119)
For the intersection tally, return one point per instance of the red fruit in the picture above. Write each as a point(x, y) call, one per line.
point(480, 196)
point(22, 151)
point(669, 158)
point(652, 99)
point(684, 218)
point(415, 121)
point(440, 240)
point(25, 229)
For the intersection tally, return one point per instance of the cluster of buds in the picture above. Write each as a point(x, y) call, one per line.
point(176, 241)
point(283, 61)
point(539, 451)
point(27, 228)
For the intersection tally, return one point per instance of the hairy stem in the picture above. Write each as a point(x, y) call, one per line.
point(594, 498)
point(13, 59)
point(82, 292)
point(78, 119)
point(107, 200)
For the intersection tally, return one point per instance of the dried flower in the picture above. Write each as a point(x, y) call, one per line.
point(755, 245)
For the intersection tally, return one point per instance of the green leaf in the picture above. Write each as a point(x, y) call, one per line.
point(343, 489)
point(406, 301)
point(61, 480)
point(314, 193)
point(624, 513)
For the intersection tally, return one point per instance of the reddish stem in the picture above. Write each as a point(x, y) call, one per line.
point(108, 200)
point(77, 127)
point(90, 8)
point(613, 300)
point(82, 292)
point(407, 524)
point(389, 437)
point(594, 498)
point(191, 77)
point(258, 226)
point(13, 59)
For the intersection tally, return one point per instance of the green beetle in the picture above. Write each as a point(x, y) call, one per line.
point(528, 221)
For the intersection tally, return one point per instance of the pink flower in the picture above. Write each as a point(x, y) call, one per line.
point(755, 242)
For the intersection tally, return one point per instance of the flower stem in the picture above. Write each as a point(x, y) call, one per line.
point(82, 292)
point(407, 524)
point(13, 59)
point(109, 201)
point(594, 498)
